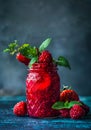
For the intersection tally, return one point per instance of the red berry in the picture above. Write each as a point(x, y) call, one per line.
point(45, 57)
point(65, 113)
point(20, 109)
point(68, 95)
point(77, 112)
point(22, 59)
point(86, 108)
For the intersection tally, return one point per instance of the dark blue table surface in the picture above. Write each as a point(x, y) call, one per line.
point(8, 121)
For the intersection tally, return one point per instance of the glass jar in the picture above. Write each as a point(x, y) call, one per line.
point(42, 90)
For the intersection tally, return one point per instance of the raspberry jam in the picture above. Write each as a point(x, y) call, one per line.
point(42, 90)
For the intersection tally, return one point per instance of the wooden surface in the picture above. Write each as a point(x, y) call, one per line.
point(8, 121)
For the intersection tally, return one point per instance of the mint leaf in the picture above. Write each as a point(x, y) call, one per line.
point(32, 61)
point(61, 105)
point(58, 105)
point(13, 45)
point(62, 61)
point(44, 45)
point(27, 50)
point(23, 49)
point(6, 50)
point(66, 104)
point(73, 103)
point(12, 48)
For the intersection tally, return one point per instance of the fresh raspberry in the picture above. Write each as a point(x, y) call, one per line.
point(86, 108)
point(20, 109)
point(77, 112)
point(45, 57)
point(68, 95)
point(65, 113)
point(22, 59)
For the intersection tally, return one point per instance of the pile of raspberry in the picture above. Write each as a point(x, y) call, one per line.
point(76, 111)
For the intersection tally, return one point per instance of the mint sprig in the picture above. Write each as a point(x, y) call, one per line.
point(61, 105)
point(12, 48)
point(44, 44)
point(27, 50)
point(33, 53)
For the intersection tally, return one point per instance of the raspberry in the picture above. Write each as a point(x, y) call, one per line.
point(85, 107)
point(68, 95)
point(45, 57)
point(77, 112)
point(22, 59)
point(20, 109)
point(64, 112)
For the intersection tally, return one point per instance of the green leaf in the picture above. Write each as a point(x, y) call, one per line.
point(32, 61)
point(12, 48)
point(58, 105)
point(27, 51)
point(12, 45)
point(44, 45)
point(6, 50)
point(61, 105)
point(62, 61)
point(73, 103)
point(66, 104)
point(23, 49)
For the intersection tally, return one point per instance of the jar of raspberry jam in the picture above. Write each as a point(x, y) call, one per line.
point(42, 90)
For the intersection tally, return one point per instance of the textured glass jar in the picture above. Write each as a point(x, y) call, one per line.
point(42, 90)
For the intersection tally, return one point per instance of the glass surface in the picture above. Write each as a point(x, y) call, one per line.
point(42, 90)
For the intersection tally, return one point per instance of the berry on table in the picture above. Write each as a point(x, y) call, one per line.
point(77, 112)
point(85, 107)
point(20, 109)
point(65, 112)
point(68, 95)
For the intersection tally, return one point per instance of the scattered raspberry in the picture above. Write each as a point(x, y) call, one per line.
point(20, 109)
point(65, 113)
point(77, 112)
point(45, 57)
point(68, 95)
point(86, 108)
point(22, 59)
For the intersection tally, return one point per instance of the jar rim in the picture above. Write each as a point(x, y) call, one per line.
point(41, 66)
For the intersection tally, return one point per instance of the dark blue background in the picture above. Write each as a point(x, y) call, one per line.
point(67, 22)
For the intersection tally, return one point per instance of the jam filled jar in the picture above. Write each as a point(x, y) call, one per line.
point(42, 90)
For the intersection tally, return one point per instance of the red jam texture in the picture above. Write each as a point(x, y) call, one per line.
point(42, 90)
